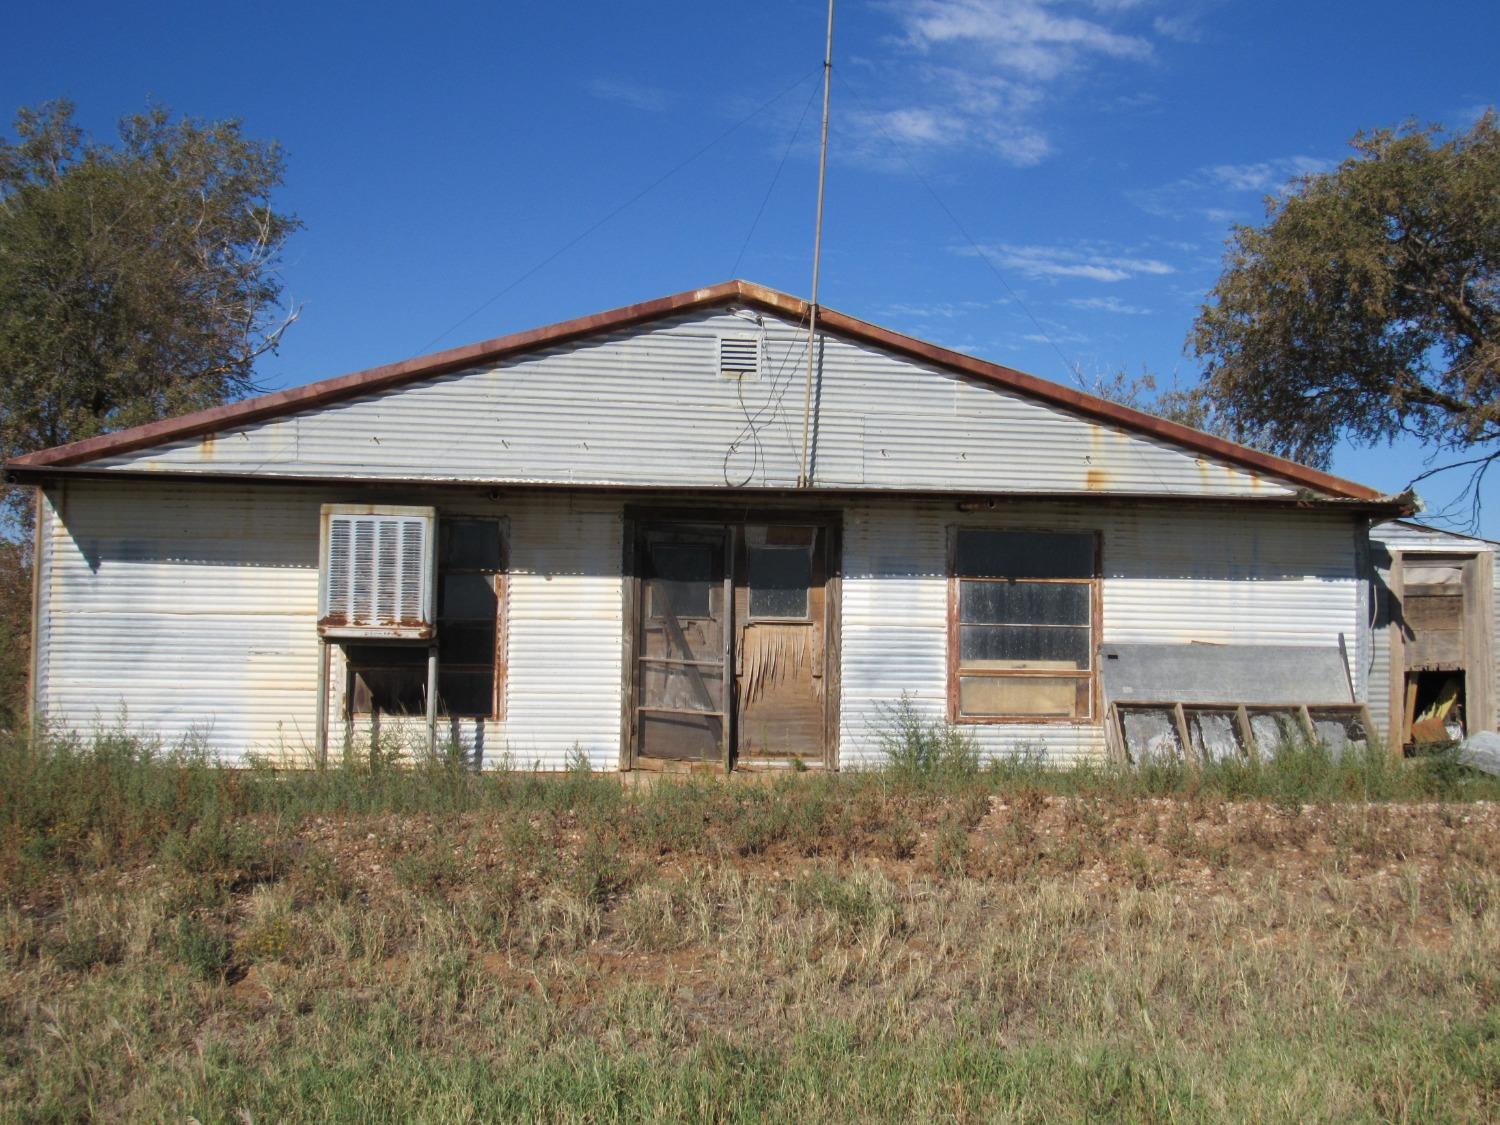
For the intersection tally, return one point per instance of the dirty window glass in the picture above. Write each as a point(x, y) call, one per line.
point(1024, 629)
point(779, 578)
point(1024, 554)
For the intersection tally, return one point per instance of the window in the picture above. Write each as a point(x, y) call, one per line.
point(392, 678)
point(1022, 605)
point(778, 563)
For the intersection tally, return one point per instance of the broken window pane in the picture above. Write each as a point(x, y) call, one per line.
point(1024, 603)
point(1339, 730)
point(1150, 735)
point(1273, 729)
point(1013, 647)
point(1024, 554)
point(1215, 734)
point(1040, 696)
point(779, 578)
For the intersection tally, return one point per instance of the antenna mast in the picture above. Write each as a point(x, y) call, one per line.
point(804, 474)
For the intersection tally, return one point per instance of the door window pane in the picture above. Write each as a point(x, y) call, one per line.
point(779, 578)
point(683, 577)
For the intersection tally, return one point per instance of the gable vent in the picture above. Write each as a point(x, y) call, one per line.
point(739, 356)
point(376, 572)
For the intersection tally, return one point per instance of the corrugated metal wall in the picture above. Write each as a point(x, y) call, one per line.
point(190, 611)
point(649, 407)
point(1174, 574)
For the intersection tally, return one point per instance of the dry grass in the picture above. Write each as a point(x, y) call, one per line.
point(822, 949)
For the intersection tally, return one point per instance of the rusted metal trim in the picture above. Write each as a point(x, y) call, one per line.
point(375, 379)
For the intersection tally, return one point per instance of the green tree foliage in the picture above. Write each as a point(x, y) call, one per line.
point(137, 280)
point(1368, 305)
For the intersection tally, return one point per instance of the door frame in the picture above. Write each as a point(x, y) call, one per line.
point(828, 520)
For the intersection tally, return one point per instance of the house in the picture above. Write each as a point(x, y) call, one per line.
point(660, 535)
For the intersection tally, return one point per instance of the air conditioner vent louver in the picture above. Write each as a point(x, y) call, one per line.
point(376, 572)
point(739, 356)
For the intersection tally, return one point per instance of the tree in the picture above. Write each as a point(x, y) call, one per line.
point(137, 280)
point(1368, 305)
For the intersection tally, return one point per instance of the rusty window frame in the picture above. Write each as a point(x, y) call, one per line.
point(497, 667)
point(1088, 676)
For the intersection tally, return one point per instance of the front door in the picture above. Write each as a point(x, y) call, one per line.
point(682, 709)
point(731, 643)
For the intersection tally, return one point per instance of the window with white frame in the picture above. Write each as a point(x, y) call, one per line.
point(1022, 624)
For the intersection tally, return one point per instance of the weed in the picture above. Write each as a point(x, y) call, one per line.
point(920, 749)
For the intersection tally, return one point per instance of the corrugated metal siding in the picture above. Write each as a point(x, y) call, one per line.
point(189, 611)
point(649, 407)
point(1169, 575)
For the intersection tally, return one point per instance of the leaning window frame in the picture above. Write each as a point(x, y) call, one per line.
point(1091, 675)
point(502, 623)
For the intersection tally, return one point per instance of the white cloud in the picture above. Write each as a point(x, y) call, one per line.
point(1109, 305)
point(1031, 38)
point(1202, 194)
point(976, 74)
point(1057, 262)
point(637, 95)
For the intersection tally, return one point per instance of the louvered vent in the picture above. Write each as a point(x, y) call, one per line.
point(377, 572)
point(739, 356)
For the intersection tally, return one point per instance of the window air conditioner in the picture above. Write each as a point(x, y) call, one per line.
point(376, 572)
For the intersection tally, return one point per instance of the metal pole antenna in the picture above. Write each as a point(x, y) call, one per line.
point(804, 474)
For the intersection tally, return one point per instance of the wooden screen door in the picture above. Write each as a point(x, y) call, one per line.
point(683, 710)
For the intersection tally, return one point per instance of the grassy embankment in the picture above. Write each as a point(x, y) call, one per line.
point(1304, 940)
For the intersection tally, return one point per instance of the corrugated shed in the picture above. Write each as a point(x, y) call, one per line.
point(1409, 538)
point(649, 406)
point(1169, 575)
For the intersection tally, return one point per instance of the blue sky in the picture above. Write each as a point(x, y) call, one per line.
point(1096, 150)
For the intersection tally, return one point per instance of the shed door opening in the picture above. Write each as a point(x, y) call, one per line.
point(1445, 674)
point(731, 643)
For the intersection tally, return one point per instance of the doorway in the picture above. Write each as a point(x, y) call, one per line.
point(729, 645)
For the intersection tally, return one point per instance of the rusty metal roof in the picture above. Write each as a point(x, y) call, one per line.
point(313, 395)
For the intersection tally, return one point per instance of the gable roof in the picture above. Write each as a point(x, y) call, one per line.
point(296, 399)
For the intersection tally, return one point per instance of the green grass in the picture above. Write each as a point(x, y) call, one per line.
point(1306, 939)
